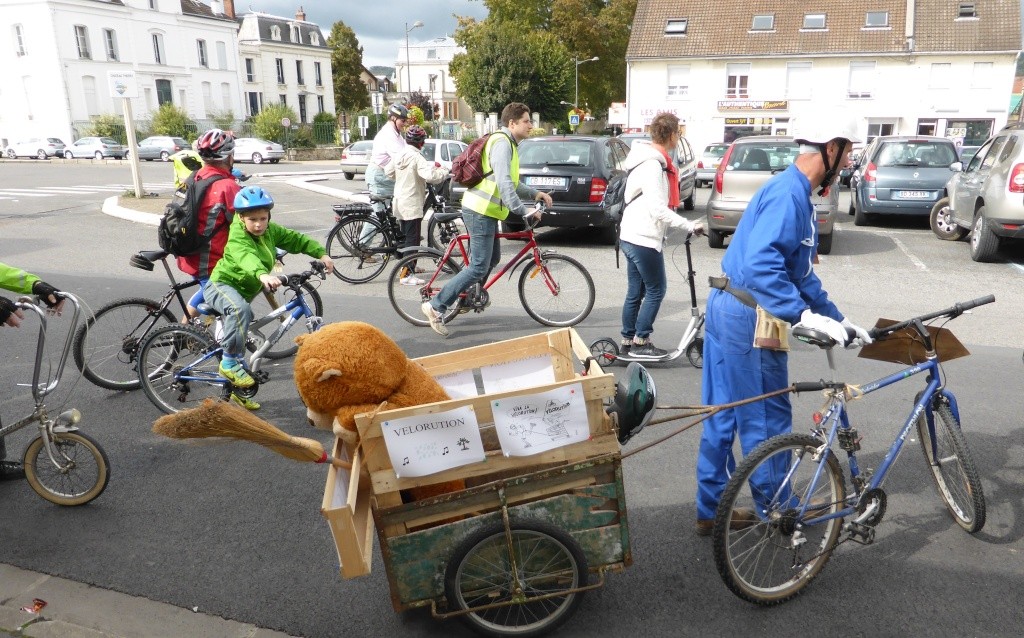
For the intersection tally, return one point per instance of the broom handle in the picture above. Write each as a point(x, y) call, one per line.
point(336, 462)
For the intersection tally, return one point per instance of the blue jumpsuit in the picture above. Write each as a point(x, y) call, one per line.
point(770, 256)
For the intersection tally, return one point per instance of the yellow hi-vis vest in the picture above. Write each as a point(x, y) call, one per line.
point(484, 197)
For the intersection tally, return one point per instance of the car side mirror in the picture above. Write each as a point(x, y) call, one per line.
point(956, 166)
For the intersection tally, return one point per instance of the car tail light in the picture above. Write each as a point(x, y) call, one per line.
point(344, 154)
point(270, 148)
point(1016, 181)
point(597, 188)
point(700, 164)
point(720, 171)
point(869, 172)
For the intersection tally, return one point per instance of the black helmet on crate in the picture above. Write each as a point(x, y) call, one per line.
point(634, 403)
point(415, 135)
point(399, 111)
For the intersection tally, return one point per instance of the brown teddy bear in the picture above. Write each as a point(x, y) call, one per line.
point(351, 367)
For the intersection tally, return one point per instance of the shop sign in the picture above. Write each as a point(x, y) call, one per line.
point(741, 121)
point(753, 105)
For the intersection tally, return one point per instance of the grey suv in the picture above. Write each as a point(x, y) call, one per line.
point(748, 163)
point(986, 199)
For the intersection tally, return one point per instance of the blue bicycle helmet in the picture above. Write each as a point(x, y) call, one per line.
point(253, 197)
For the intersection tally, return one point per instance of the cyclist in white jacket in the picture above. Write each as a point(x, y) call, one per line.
point(652, 193)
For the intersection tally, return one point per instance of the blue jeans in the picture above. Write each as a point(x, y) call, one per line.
point(236, 315)
point(484, 255)
point(646, 284)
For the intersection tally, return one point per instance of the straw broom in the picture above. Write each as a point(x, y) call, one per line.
point(220, 419)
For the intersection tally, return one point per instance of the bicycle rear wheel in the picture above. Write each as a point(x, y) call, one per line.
point(764, 550)
point(952, 468)
point(175, 351)
point(407, 300)
point(265, 303)
point(355, 245)
point(106, 346)
point(83, 473)
point(559, 292)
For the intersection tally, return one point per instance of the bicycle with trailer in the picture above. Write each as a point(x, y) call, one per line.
point(178, 363)
point(691, 342)
point(106, 347)
point(63, 464)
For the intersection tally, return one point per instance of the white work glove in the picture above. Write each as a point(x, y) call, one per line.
point(828, 325)
point(862, 338)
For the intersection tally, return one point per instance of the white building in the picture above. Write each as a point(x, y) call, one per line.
point(423, 68)
point(55, 56)
point(287, 61)
point(734, 68)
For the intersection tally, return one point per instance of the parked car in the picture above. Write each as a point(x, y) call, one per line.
point(967, 154)
point(847, 172)
point(748, 163)
point(159, 147)
point(443, 152)
point(574, 170)
point(37, 147)
point(686, 164)
point(708, 163)
point(987, 198)
point(97, 147)
point(257, 151)
point(355, 157)
point(901, 175)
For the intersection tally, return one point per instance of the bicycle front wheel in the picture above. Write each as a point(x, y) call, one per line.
point(80, 474)
point(440, 234)
point(765, 550)
point(267, 302)
point(357, 246)
point(178, 368)
point(952, 468)
point(407, 299)
point(106, 347)
point(559, 292)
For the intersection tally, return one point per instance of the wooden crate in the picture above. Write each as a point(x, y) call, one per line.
point(346, 506)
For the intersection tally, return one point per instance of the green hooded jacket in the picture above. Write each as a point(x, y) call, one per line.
point(16, 279)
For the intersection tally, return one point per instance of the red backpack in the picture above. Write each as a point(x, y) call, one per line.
point(467, 169)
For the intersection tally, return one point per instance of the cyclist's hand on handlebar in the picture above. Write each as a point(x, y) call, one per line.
point(328, 263)
point(546, 198)
point(863, 337)
point(270, 282)
point(698, 229)
point(828, 325)
point(49, 296)
point(10, 315)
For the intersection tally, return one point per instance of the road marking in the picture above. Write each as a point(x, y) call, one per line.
point(906, 251)
point(13, 193)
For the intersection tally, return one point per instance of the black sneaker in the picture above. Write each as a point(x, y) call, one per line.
point(647, 351)
point(624, 346)
point(11, 471)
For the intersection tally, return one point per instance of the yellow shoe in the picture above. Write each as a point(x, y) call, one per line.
point(236, 374)
point(245, 402)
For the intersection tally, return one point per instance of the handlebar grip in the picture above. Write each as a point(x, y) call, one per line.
point(974, 303)
point(808, 386)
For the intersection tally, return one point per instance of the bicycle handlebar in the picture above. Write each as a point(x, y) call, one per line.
point(317, 269)
point(952, 312)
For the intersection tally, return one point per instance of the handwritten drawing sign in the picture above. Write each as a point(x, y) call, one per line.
point(458, 385)
point(534, 423)
point(430, 443)
point(515, 375)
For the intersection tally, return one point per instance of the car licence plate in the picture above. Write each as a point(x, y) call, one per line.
point(550, 182)
point(913, 195)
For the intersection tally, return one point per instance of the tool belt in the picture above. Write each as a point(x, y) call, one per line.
point(770, 332)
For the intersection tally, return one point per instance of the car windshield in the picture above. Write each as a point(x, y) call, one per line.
point(555, 153)
point(762, 156)
point(428, 151)
point(919, 153)
point(54, 140)
point(108, 140)
point(716, 150)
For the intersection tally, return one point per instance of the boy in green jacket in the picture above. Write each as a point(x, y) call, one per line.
point(244, 270)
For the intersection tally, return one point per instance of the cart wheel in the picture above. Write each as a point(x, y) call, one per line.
point(605, 351)
point(546, 561)
point(695, 352)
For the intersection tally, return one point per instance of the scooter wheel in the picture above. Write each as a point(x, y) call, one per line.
point(694, 352)
point(605, 351)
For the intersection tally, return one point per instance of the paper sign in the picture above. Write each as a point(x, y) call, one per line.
point(516, 375)
point(534, 423)
point(458, 385)
point(430, 443)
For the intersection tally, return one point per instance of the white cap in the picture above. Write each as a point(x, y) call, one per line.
point(823, 132)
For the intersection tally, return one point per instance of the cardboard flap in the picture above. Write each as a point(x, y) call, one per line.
point(905, 347)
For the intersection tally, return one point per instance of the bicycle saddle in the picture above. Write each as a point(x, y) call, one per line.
point(207, 309)
point(380, 199)
point(144, 258)
point(814, 337)
point(448, 216)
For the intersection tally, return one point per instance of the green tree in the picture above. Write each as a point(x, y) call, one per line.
point(350, 94)
point(224, 120)
point(267, 123)
point(173, 121)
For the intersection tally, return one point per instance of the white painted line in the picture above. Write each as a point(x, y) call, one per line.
point(1019, 267)
point(12, 192)
point(906, 251)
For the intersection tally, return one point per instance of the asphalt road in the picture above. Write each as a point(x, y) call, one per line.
point(235, 531)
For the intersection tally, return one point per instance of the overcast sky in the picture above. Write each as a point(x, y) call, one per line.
point(379, 25)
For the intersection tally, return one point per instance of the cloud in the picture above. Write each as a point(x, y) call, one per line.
point(380, 35)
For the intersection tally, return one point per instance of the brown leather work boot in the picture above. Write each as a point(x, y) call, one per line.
point(742, 518)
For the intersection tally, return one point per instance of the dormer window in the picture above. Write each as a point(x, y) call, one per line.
point(967, 10)
point(275, 32)
point(314, 39)
point(814, 21)
point(676, 27)
point(296, 35)
point(876, 19)
point(763, 23)
point(431, 54)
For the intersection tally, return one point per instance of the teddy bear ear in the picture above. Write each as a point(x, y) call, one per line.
point(302, 337)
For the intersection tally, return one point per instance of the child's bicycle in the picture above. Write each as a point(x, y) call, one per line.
point(783, 510)
point(178, 364)
point(62, 464)
point(106, 347)
point(555, 290)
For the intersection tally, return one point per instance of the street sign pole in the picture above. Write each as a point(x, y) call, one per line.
point(122, 84)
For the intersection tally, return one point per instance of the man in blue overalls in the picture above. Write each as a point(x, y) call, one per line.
point(768, 264)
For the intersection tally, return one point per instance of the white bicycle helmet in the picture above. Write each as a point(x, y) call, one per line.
point(820, 133)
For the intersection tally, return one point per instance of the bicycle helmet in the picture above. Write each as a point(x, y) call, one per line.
point(634, 403)
point(415, 135)
point(251, 198)
point(216, 144)
point(818, 134)
point(398, 110)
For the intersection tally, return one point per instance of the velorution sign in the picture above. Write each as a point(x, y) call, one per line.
point(429, 443)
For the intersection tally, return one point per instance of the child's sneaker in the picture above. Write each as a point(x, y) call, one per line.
point(236, 374)
point(11, 471)
point(411, 280)
point(434, 317)
point(245, 402)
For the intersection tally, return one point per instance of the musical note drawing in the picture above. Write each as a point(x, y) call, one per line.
point(406, 461)
point(445, 451)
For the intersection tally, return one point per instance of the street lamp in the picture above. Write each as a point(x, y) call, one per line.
point(576, 100)
point(408, 71)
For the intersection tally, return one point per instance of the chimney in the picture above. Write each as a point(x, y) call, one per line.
point(229, 8)
point(300, 15)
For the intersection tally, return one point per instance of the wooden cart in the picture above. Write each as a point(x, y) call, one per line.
point(513, 552)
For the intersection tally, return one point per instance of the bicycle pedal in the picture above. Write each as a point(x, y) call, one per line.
point(861, 534)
